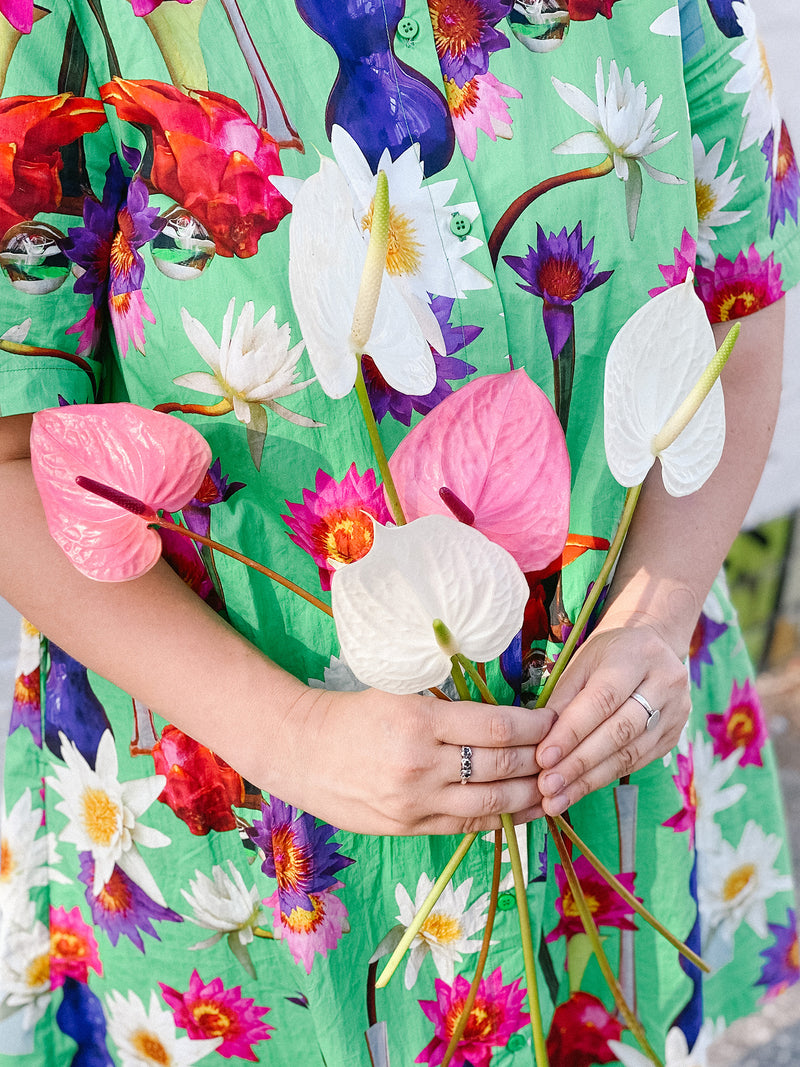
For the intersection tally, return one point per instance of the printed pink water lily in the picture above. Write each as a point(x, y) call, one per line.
point(385, 604)
point(150, 461)
point(493, 455)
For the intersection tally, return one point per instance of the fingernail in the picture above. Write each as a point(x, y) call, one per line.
point(556, 805)
point(548, 758)
point(551, 783)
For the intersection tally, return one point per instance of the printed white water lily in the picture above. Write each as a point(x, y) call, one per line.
point(224, 904)
point(712, 795)
point(146, 1037)
point(25, 971)
point(26, 855)
point(337, 676)
point(385, 604)
point(760, 110)
point(676, 1050)
point(624, 128)
point(712, 192)
point(18, 333)
point(733, 886)
point(30, 648)
point(653, 364)
point(327, 251)
point(252, 366)
point(447, 932)
point(104, 814)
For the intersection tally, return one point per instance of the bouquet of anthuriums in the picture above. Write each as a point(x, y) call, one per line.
point(442, 591)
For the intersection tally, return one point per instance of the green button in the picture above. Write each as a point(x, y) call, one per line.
point(516, 1042)
point(408, 29)
point(460, 225)
point(506, 901)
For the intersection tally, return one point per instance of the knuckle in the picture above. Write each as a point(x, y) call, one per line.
point(627, 758)
point(606, 699)
point(581, 765)
point(490, 801)
point(501, 729)
point(624, 731)
point(507, 762)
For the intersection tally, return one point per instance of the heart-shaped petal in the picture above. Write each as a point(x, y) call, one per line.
point(155, 458)
point(653, 363)
point(496, 447)
point(384, 604)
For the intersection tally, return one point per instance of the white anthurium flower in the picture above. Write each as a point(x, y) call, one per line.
point(252, 366)
point(146, 1037)
point(448, 930)
point(712, 192)
point(624, 128)
point(224, 904)
point(25, 854)
point(655, 363)
point(425, 256)
point(733, 886)
point(103, 814)
point(760, 110)
point(327, 252)
point(18, 333)
point(676, 1050)
point(25, 972)
point(432, 569)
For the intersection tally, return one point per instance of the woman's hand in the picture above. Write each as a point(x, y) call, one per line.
point(374, 763)
point(601, 733)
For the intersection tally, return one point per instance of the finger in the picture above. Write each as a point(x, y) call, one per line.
point(486, 726)
point(478, 801)
point(491, 764)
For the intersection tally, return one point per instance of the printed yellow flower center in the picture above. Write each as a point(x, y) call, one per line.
point(735, 305)
point(101, 816)
point(560, 277)
point(785, 155)
point(7, 864)
point(737, 881)
point(692, 794)
point(793, 955)
point(115, 894)
point(482, 1023)
point(212, 1018)
point(443, 929)
point(766, 73)
point(346, 536)
point(706, 201)
point(457, 24)
point(571, 908)
point(66, 945)
point(29, 629)
point(741, 727)
point(37, 973)
point(120, 302)
point(301, 921)
point(461, 99)
point(122, 256)
point(291, 862)
point(404, 254)
point(150, 1047)
point(26, 688)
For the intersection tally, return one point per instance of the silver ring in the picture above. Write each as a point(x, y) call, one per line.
point(653, 714)
point(466, 764)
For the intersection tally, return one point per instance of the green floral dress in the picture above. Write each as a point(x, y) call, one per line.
point(551, 165)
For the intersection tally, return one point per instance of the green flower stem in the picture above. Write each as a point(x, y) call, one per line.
point(463, 1019)
point(534, 1006)
point(589, 926)
point(167, 524)
point(680, 419)
point(427, 907)
point(17, 348)
point(627, 896)
point(524, 200)
point(459, 681)
point(614, 550)
point(377, 446)
point(480, 684)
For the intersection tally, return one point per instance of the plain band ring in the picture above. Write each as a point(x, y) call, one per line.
point(466, 764)
point(653, 714)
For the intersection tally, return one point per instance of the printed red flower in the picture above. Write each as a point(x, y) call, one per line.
point(607, 907)
point(212, 1011)
point(741, 727)
point(584, 10)
point(685, 819)
point(32, 129)
point(731, 290)
point(73, 947)
point(201, 788)
point(210, 157)
point(580, 1032)
point(19, 13)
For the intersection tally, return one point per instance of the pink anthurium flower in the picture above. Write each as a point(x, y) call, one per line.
point(493, 455)
point(660, 365)
point(433, 569)
point(139, 460)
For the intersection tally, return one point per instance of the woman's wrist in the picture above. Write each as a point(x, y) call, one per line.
point(668, 607)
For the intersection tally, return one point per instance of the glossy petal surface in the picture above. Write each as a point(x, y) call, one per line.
point(653, 363)
point(153, 457)
point(496, 444)
point(433, 568)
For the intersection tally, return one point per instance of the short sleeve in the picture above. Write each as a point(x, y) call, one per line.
point(56, 223)
point(746, 176)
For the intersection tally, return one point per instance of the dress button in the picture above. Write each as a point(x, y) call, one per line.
point(516, 1042)
point(506, 901)
point(407, 28)
point(460, 225)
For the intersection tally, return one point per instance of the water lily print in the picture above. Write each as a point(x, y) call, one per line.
point(73, 947)
point(146, 1037)
point(741, 727)
point(225, 904)
point(581, 1032)
point(783, 177)
point(209, 1011)
point(782, 958)
point(479, 105)
point(713, 191)
point(734, 288)
point(760, 110)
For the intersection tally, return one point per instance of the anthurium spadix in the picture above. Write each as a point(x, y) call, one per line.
point(327, 253)
point(385, 605)
point(139, 459)
point(664, 360)
point(493, 455)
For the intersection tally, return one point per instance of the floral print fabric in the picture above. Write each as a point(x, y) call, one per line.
point(550, 166)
